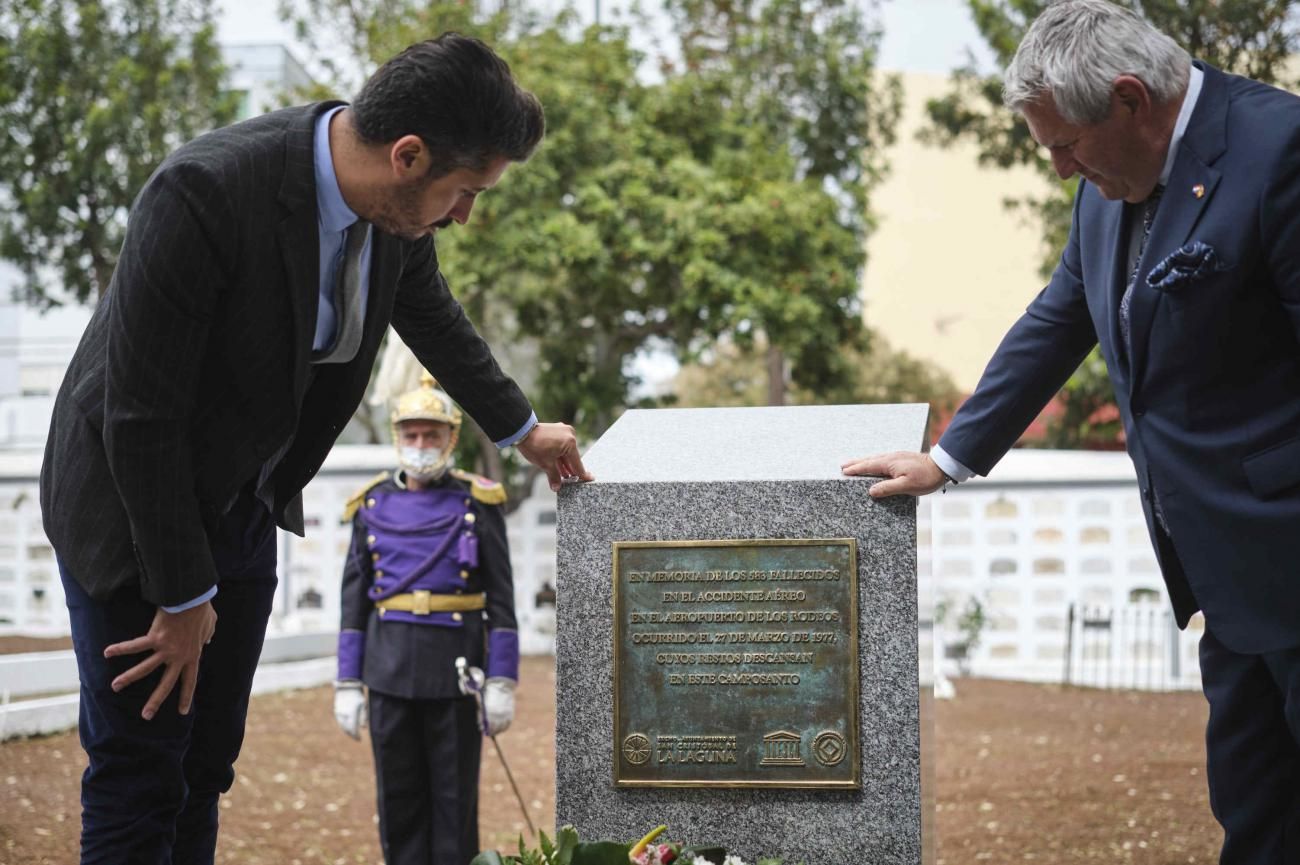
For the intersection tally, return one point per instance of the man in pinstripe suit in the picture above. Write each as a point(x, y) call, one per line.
point(261, 266)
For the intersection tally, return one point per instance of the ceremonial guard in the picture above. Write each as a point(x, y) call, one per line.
point(427, 581)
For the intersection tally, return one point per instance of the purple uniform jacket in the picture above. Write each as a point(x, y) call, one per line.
point(444, 540)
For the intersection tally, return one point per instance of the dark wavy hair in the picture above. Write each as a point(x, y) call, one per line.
point(459, 97)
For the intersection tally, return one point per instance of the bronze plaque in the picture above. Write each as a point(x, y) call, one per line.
point(736, 663)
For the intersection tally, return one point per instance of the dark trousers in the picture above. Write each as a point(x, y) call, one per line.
point(1253, 752)
point(426, 768)
point(149, 795)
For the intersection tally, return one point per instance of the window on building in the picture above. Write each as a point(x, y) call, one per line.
point(1049, 506)
point(1049, 566)
point(1095, 535)
point(1000, 509)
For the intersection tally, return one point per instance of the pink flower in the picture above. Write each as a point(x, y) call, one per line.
point(660, 854)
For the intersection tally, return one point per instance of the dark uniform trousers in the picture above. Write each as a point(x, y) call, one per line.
point(150, 792)
point(420, 745)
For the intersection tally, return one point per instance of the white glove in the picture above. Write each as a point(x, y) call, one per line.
point(499, 704)
point(350, 707)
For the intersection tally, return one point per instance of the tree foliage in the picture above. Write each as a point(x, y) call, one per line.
point(93, 95)
point(730, 376)
point(672, 209)
point(1256, 38)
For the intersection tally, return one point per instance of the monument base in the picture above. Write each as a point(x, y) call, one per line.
point(878, 823)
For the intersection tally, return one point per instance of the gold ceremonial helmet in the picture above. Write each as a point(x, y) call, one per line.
point(427, 402)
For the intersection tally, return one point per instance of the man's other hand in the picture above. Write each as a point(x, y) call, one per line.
point(175, 642)
point(499, 704)
point(350, 707)
point(553, 448)
point(909, 473)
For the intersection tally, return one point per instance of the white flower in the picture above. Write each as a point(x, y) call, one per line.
point(700, 860)
point(733, 860)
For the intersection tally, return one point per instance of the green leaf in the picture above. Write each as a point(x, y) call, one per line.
point(567, 839)
point(528, 856)
point(548, 849)
point(601, 853)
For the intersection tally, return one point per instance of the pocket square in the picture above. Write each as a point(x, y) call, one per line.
point(1184, 266)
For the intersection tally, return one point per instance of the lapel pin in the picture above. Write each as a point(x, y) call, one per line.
point(1199, 190)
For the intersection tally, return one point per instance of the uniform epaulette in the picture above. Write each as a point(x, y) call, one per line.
point(354, 503)
point(485, 490)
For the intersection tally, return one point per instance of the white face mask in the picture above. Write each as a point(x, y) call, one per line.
point(423, 464)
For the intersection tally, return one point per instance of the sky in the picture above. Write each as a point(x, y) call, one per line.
point(920, 35)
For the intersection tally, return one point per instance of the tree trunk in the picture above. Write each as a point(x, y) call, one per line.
point(775, 376)
point(489, 456)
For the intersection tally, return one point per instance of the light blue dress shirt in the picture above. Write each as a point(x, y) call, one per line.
point(333, 218)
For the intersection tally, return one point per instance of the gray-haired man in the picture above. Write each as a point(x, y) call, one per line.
point(1183, 261)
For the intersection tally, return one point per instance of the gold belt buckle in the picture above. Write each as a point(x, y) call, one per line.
point(421, 602)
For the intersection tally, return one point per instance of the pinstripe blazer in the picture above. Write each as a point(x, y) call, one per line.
point(195, 367)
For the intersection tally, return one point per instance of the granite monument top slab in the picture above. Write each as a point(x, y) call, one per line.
point(770, 443)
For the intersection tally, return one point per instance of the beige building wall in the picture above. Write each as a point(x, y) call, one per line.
point(949, 268)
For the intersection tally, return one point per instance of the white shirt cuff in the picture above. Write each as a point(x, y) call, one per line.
point(188, 605)
point(523, 431)
point(950, 466)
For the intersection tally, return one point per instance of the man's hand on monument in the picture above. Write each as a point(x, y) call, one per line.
point(176, 642)
point(350, 707)
point(499, 704)
point(553, 448)
point(909, 473)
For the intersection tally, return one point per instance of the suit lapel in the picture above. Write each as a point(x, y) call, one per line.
point(1191, 187)
point(299, 237)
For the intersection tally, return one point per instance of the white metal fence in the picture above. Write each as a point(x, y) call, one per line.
point(1047, 531)
point(31, 596)
point(1050, 531)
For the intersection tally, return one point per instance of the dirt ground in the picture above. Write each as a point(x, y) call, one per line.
point(1025, 773)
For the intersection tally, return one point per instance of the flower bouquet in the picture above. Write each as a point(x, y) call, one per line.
point(566, 849)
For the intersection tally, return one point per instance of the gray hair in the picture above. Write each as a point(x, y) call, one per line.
point(1076, 49)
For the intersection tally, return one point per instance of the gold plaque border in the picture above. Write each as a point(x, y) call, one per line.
point(855, 738)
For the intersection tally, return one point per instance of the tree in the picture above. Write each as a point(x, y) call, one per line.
point(880, 374)
point(1256, 38)
point(800, 75)
point(655, 213)
point(93, 95)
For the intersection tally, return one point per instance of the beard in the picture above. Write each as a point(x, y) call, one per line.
point(399, 214)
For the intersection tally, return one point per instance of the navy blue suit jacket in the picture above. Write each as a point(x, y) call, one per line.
point(1210, 397)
